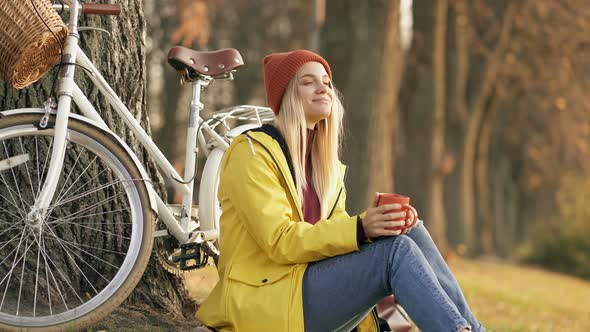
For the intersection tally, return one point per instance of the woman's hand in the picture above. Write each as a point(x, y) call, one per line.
point(376, 221)
point(411, 220)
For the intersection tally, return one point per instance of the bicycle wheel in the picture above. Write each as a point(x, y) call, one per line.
point(87, 253)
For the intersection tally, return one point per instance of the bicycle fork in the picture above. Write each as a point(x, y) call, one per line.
point(65, 90)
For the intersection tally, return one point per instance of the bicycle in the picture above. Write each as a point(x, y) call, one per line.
point(77, 207)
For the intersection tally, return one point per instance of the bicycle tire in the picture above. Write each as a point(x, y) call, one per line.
point(122, 236)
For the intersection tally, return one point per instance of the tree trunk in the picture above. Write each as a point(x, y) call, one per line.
point(354, 33)
point(414, 173)
point(437, 221)
point(476, 114)
point(121, 60)
point(459, 59)
point(384, 122)
point(486, 231)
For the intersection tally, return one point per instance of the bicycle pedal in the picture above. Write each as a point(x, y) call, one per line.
point(191, 257)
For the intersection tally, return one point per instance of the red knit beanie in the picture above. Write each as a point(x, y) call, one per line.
point(279, 68)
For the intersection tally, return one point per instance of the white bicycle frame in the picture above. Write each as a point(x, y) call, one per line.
point(68, 90)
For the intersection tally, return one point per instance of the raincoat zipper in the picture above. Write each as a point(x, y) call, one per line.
point(339, 193)
point(375, 319)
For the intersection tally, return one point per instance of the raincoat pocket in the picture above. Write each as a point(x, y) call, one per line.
point(249, 275)
point(259, 299)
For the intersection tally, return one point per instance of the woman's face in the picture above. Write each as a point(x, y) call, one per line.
point(314, 88)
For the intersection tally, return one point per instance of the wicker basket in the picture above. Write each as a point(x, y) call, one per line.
point(27, 48)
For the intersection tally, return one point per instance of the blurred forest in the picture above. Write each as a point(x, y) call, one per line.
point(475, 109)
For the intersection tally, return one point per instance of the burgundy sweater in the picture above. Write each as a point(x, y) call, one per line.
point(311, 202)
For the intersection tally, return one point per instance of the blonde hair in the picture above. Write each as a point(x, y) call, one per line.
point(325, 149)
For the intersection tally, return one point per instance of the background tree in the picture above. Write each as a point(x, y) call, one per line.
point(368, 81)
point(475, 103)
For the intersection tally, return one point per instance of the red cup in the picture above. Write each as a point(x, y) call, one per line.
point(402, 200)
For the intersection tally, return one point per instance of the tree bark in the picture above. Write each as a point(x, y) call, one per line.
point(437, 220)
point(473, 128)
point(459, 63)
point(384, 121)
point(354, 34)
point(416, 169)
point(486, 231)
point(121, 59)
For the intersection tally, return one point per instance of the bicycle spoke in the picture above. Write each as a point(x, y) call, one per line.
point(5, 243)
point(71, 199)
point(103, 249)
point(13, 203)
point(92, 206)
point(10, 191)
point(62, 196)
point(27, 168)
point(20, 196)
point(89, 254)
point(14, 264)
point(88, 223)
point(44, 253)
point(42, 247)
point(70, 174)
point(49, 149)
point(37, 163)
point(22, 274)
point(2, 221)
point(46, 256)
point(8, 256)
point(17, 248)
point(44, 165)
point(9, 274)
point(73, 260)
point(61, 220)
point(6, 230)
point(37, 277)
point(105, 232)
point(10, 213)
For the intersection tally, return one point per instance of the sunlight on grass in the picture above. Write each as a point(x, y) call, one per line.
point(513, 298)
point(506, 298)
point(200, 283)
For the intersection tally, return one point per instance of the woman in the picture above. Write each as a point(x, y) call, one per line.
point(292, 259)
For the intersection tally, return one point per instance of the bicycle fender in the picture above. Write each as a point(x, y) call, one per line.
point(147, 183)
point(209, 210)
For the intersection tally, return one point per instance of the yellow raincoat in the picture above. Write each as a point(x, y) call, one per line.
point(264, 243)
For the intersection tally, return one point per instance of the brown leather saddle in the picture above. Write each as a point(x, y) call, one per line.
point(215, 64)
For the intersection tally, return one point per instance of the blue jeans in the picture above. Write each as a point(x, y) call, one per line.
point(339, 291)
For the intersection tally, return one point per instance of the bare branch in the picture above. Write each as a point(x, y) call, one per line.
point(493, 65)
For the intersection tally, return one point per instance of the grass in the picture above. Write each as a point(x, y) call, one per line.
point(504, 297)
point(513, 298)
point(199, 283)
